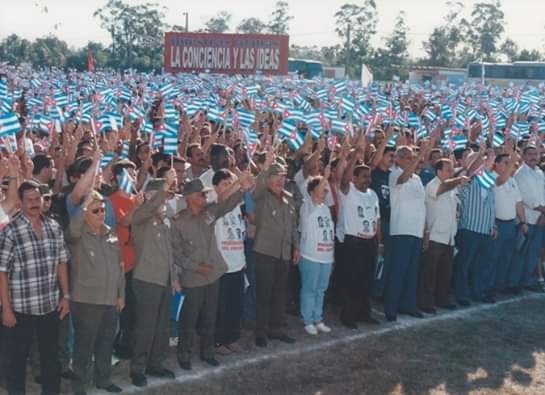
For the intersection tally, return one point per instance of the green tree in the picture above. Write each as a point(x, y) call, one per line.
point(529, 56)
point(280, 18)
point(218, 23)
point(251, 25)
point(356, 25)
point(510, 50)
point(485, 30)
point(15, 50)
point(49, 52)
point(78, 59)
point(136, 32)
point(395, 53)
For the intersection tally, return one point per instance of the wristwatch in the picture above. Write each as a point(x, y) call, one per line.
point(66, 296)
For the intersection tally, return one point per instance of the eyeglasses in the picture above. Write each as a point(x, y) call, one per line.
point(99, 210)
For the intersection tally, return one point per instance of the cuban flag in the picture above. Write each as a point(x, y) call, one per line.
point(106, 159)
point(421, 133)
point(288, 133)
point(498, 140)
point(126, 184)
point(170, 142)
point(245, 118)
point(485, 178)
point(446, 112)
point(135, 113)
point(413, 120)
point(125, 150)
point(9, 124)
point(429, 114)
point(60, 99)
point(293, 114)
point(167, 90)
point(340, 127)
point(3, 89)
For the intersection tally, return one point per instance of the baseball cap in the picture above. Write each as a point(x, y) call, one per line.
point(195, 186)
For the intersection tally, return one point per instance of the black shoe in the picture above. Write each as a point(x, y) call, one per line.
point(391, 318)
point(185, 365)
point(112, 388)
point(161, 373)
point(211, 361)
point(464, 303)
point(139, 380)
point(68, 375)
point(369, 320)
point(488, 300)
point(261, 341)
point(283, 338)
point(349, 324)
point(429, 310)
point(450, 306)
point(415, 314)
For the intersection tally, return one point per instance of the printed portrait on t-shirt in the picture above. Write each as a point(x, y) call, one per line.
point(327, 222)
point(225, 221)
point(374, 224)
point(239, 219)
point(320, 222)
point(232, 219)
point(360, 211)
point(331, 234)
point(366, 226)
point(243, 235)
point(325, 235)
point(230, 234)
point(238, 234)
point(385, 191)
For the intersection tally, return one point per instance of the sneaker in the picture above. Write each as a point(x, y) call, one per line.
point(323, 327)
point(173, 341)
point(311, 329)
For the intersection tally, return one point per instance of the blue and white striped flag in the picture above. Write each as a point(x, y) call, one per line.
point(9, 124)
point(107, 157)
point(485, 178)
point(126, 184)
point(3, 89)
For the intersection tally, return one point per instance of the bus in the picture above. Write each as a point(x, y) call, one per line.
point(306, 69)
point(517, 73)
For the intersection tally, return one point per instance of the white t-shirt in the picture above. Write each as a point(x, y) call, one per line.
point(441, 213)
point(317, 235)
point(302, 184)
point(408, 210)
point(206, 179)
point(230, 234)
point(531, 183)
point(360, 212)
point(507, 196)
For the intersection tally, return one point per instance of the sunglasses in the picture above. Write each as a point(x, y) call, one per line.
point(98, 210)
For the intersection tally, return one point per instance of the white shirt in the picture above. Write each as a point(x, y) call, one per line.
point(408, 210)
point(441, 213)
point(507, 196)
point(360, 213)
point(206, 178)
point(230, 234)
point(531, 183)
point(317, 235)
point(302, 184)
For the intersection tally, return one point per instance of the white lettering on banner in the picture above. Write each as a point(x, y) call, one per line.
point(247, 59)
point(268, 58)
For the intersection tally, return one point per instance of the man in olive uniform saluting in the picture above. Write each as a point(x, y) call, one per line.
point(195, 251)
point(276, 244)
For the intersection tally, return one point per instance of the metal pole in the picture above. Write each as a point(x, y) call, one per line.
point(348, 50)
point(186, 14)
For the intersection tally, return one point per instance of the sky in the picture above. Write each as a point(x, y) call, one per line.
point(313, 23)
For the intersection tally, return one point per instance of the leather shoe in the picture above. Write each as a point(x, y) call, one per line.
point(112, 388)
point(283, 338)
point(415, 314)
point(261, 342)
point(450, 306)
point(161, 373)
point(211, 361)
point(139, 380)
point(370, 320)
point(185, 365)
point(349, 324)
point(429, 310)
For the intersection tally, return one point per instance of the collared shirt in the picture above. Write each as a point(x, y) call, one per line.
point(477, 208)
point(507, 196)
point(408, 216)
point(531, 183)
point(31, 264)
point(441, 213)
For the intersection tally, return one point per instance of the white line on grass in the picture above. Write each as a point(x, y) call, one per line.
point(406, 323)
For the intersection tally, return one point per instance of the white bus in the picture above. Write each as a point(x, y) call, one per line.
point(518, 73)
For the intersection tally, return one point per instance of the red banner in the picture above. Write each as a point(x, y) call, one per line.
point(226, 53)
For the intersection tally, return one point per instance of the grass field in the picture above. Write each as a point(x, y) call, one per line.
point(496, 349)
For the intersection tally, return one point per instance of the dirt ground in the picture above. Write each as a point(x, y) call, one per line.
point(496, 349)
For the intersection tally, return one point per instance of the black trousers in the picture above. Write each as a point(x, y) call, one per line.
point(200, 305)
point(435, 276)
point(18, 341)
point(271, 275)
point(230, 302)
point(127, 319)
point(355, 277)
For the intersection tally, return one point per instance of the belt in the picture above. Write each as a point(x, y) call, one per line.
point(505, 220)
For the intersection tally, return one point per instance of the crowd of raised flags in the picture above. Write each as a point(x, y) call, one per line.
point(262, 113)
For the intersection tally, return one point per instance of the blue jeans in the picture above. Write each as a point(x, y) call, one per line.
point(248, 311)
point(472, 265)
point(503, 251)
point(402, 275)
point(314, 282)
point(522, 272)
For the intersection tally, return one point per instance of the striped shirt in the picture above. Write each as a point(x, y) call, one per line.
point(477, 208)
point(31, 264)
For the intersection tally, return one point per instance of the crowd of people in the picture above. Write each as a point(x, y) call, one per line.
point(130, 200)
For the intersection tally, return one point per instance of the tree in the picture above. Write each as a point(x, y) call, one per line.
point(78, 59)
point(356, 25)
point(49, 52)
point(15, 50)
point(251, 25)
point(218, 23)
point(529, 56)
point(485, 30)
point(137, 34)
point(510, 50)
point(280, 18)
point(395, 53)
